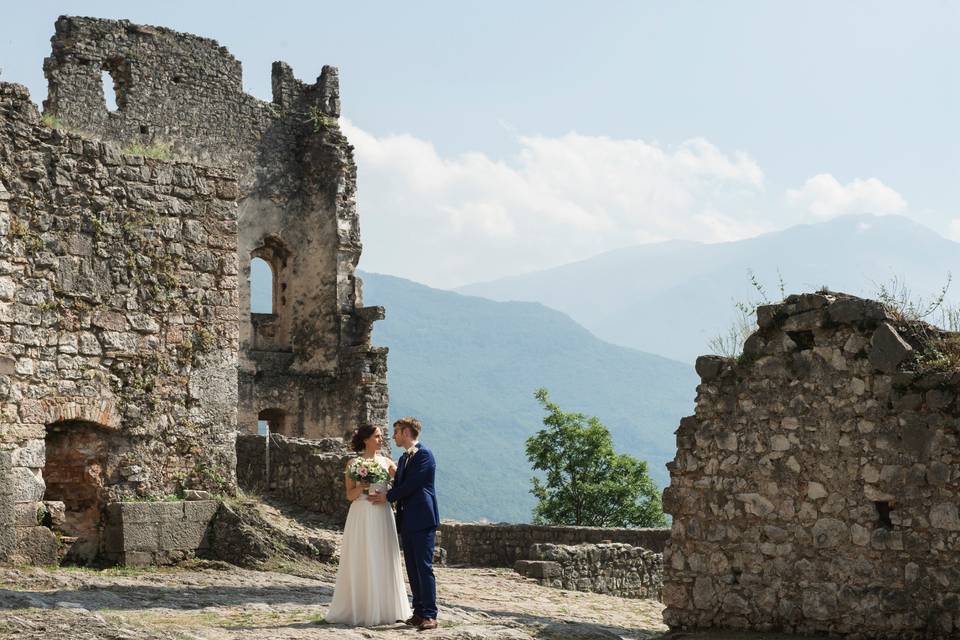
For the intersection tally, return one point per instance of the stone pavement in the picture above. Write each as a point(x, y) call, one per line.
point(214, 601)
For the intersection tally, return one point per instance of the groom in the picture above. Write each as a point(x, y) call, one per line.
point(417, 518)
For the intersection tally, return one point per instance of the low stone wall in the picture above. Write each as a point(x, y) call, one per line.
point(152, 533)
point(307, 473)
point(501, 545)
point(614, 569)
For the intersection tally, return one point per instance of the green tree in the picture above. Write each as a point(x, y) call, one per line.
point(587, 483)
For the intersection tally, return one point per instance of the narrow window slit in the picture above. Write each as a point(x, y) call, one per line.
point(883, 514)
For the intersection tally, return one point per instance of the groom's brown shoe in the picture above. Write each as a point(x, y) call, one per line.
point(427, 624)
point(413, 621)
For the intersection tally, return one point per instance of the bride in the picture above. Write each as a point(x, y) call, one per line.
point(370, 589)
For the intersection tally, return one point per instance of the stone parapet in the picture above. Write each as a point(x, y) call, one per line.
point(502, 545)
point(614, 569)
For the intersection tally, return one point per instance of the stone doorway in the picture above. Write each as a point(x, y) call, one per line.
point(76, 475)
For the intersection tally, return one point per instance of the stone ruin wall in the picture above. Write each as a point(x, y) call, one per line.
point(118, 329)
point(124, 281)
point(306, 473)
point(307, 368)
point(816, 488)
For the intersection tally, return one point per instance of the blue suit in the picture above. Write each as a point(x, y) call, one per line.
point(417, 521)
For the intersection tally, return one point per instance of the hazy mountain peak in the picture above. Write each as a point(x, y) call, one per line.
point(671, 298)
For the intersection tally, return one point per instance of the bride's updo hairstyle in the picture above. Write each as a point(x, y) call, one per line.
point(358, 442)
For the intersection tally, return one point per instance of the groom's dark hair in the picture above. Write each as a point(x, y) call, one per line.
point(409, 422)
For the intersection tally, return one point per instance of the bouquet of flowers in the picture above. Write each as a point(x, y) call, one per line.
point(368, 470)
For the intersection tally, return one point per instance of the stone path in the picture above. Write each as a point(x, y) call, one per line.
point(214, 601)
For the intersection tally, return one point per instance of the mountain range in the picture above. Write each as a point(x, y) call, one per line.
point(671, 298)
point(468, 368)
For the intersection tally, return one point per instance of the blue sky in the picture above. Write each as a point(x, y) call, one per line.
point(498, 137)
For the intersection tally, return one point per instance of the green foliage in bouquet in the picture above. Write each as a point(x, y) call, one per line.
point(587, 483)
point(367, 470)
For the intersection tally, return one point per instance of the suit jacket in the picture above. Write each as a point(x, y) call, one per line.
point(413, 492)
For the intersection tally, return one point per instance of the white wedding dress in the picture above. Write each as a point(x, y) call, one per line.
point(370, 589)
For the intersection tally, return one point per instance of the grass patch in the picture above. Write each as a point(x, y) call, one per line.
point(51, 121)
point(119, 571)
point(155, 150)
point(941, 355)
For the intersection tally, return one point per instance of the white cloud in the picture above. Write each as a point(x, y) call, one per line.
point(447, 221)
point(822, 196)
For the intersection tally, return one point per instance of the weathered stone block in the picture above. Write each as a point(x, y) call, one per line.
point(767, 314)
point(32, 453)
point(945, 516)
point(8, 538)
point(183, 535)
point(56, 513)
point(25, 514)
point(27, 484)
point(544, 570)
point(888, 349)
point(200, 510)
point(710, 367)
point(140, 537)
point(144, 512)
point(36, 545)
point(856, 310)
point(806, 321)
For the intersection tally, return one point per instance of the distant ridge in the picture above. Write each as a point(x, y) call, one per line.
point(670, 298)
point(469, 366)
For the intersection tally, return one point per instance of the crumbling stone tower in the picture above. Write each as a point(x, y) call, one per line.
point(128, 354)
point(307, 368)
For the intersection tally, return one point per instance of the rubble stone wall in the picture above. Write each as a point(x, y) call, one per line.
point(816, 488)
point(307, 473)
point(501, 545)
point(308, 363)
point(118, 322)
point(615, 569)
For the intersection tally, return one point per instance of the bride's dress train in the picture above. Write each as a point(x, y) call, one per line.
point(370, 589)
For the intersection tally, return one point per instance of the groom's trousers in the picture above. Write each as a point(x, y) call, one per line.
point(418, 556)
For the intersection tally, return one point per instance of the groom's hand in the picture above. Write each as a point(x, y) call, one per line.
point(377, 498)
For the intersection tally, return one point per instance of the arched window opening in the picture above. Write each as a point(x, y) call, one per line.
point(115, 77)
point(274, 419)
point(261, 286)
point(109, 91)
point(75, 474)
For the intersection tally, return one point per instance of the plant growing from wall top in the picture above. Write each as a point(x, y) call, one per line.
point(730, 343)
